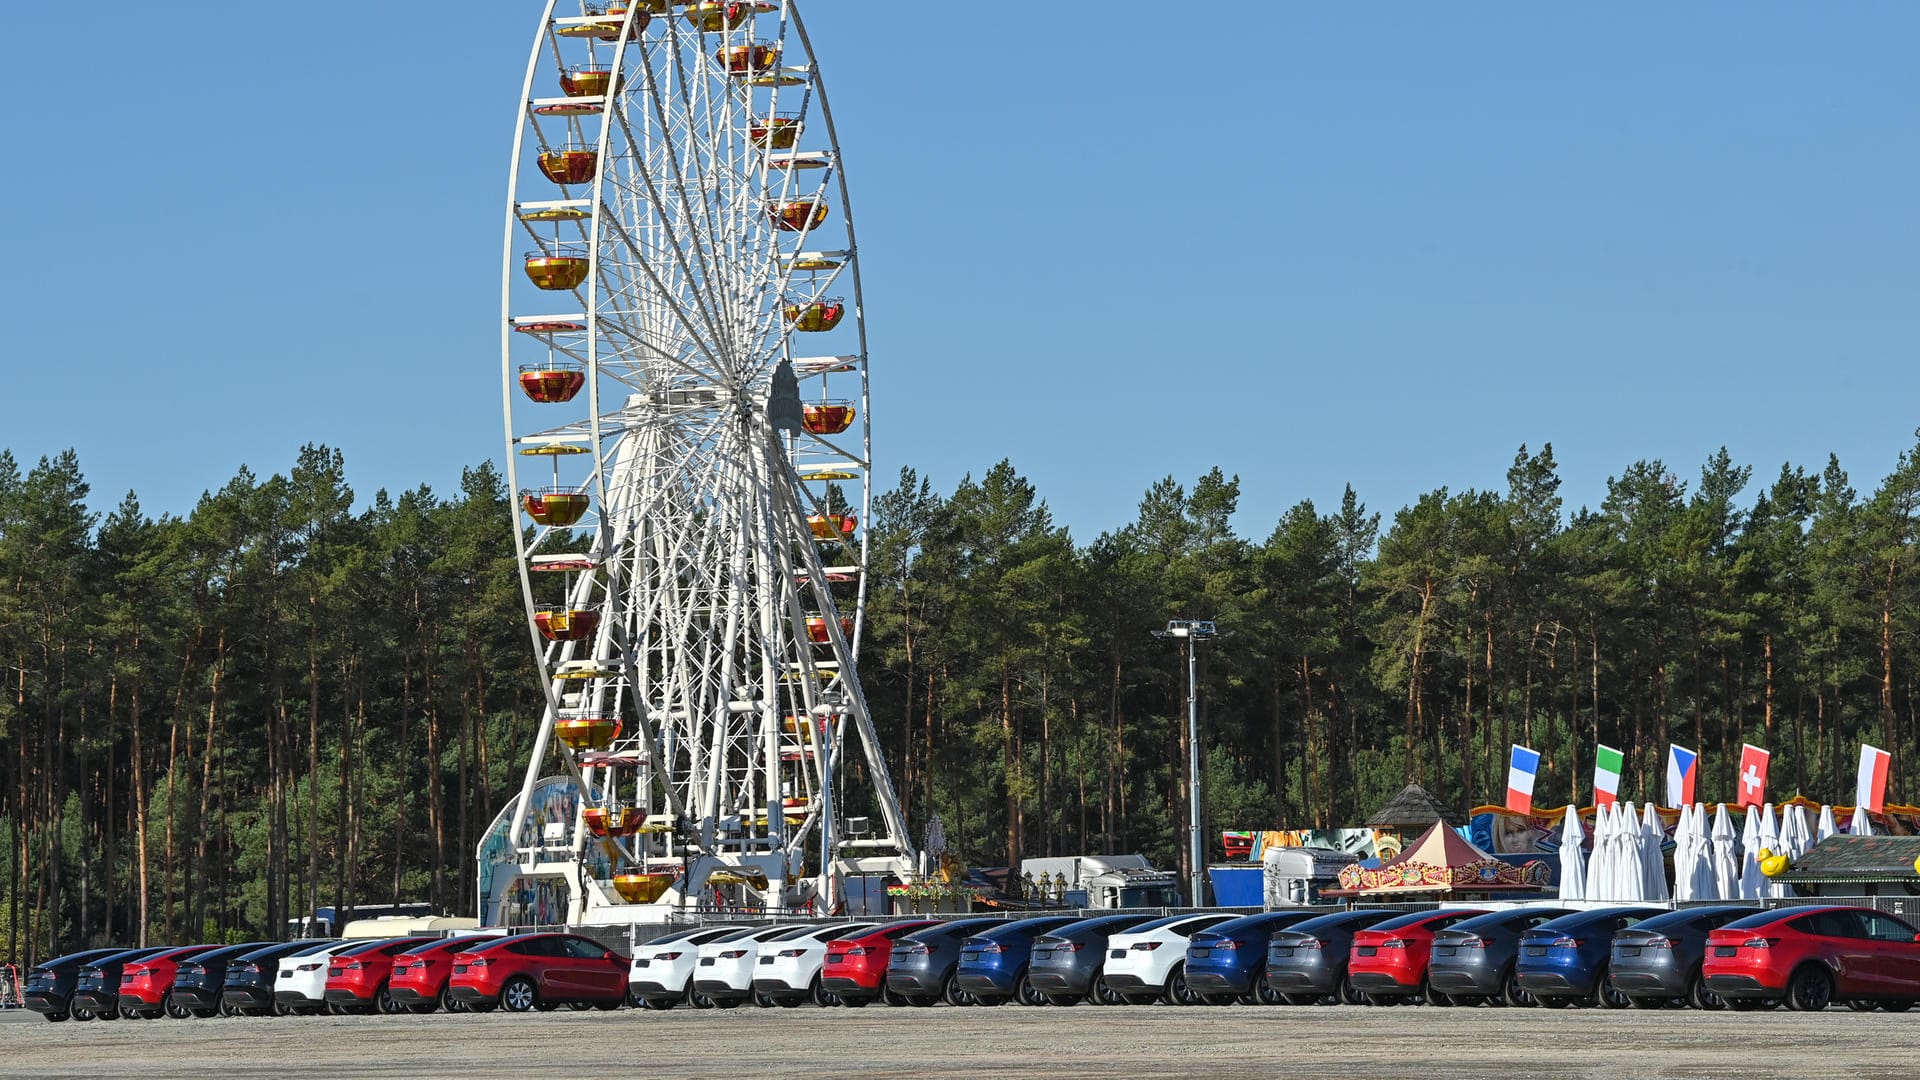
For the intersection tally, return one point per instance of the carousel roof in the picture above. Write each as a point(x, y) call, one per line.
point(1414, 806)
point(1440, 846)
point(1441, 860)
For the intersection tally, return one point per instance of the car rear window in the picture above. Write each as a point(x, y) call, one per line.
point(1754, 922)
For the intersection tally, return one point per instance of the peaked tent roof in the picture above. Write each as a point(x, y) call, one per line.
point(1440, 846)
point(1414, 806)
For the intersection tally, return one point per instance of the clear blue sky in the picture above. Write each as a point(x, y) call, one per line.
point(1313, 244)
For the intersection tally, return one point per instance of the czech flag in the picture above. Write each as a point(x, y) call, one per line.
point(1871, 791)
point(1521, 769)
point(1682, 768)
point(1752, 781)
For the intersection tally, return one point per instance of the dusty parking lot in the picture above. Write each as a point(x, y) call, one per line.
point(980, 1043)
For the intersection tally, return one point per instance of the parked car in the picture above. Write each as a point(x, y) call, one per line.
point(49, 989)
point(1473, 960)
point(1065, 965)
point(97, 987)
point(248, 987)
point(662, 972)
point(1148, 963)
point(1565, 960)
point(1658, 961)
point(1307, 962)
point(993, 962)
point(358, 979)
point(1228, 962)
point(1388, 961)
point(1810, 958)
point(787, 970)
point(420, 975)
point(921, 966)
point(724, 971)
point(198, 983)
point(146, 984)
point(855, 969)
point(300, 986)
point(539, 971)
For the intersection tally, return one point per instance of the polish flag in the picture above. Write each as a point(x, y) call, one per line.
point(1521, 769)
point(1751, 784)
point(1871, 790)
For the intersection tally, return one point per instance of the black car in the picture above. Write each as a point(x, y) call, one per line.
point(49, 989)
point(1658, 961)
point(1065, 964)
point(920, 967)
point(97, 986)
point(1307, 962)
point(198, 983)
point(247, 989)
point(1472, 961)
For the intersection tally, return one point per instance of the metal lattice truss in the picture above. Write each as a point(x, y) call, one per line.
point(678, 227)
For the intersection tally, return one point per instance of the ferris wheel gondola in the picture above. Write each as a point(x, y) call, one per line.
point(681, 260)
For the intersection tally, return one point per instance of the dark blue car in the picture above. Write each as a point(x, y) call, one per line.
point(1565, 961)
point(993, 964)
point(1228, 961)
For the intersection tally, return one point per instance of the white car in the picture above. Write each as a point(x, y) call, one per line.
point(661, 975)
point(724, 972)
point(301, 983)
point(788, 970)
point(1149, 961)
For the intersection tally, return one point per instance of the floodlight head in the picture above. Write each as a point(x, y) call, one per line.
point(1191, 628)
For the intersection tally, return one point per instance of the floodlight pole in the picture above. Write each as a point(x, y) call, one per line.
point(1190, 632)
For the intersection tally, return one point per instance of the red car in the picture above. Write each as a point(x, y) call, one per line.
point(146, 985)
point(357, 978)
point(538, 971)
point(856, 967)
point(1813, 957)
point(420, 975)
point(1389, 959)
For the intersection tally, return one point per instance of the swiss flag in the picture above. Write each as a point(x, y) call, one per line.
point(1751, 784)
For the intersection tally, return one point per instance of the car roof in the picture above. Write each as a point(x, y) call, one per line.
point(1333, 920)
point(226, 951)
point(1037, 925)
point(1286, 918)
point(952, 926)
point(1774, 915)
point(83, 957)
point(1499, 918)
point(1685, 915)
point(1112, 924)
point(456, 943)
point(316, 948)
point(278, 949)
point(1415, 918)
point(1169, 920)
point(1594, 915)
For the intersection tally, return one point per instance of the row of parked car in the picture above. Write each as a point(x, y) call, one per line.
point(1707, 957)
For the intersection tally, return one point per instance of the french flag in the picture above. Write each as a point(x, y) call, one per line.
point(1521, 769)
point(1682, 768)
point(1871, 790)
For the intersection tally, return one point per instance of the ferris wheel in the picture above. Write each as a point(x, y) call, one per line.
point(685, 392)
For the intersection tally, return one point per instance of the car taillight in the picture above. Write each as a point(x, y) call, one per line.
point(1567, 943)
point(189, 969)
point(991, 947)
point(252, 969)
point(409, 965)
point(915, 950)
point(1656, 943)
point(1470, 943)
point(1146, 946)
point(793, 952)
point(666, 956)
point(1761, 942)
point(351, 965)
point(857, 950)
point(309, 967)
point(478, 961)
point(1070, 946)
point(1309, 943)
point(1393, 943)
point(1227, 943)
point(733, 954)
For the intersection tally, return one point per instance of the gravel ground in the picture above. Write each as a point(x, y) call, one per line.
point(1010, 1041)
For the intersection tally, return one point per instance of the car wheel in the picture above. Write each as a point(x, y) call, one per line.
point(894, 997)
point(423, 1008)
point(205, 1014)
point(110, 1014)
point(1026, 993)
point(1552, 1002)
point(1810, 990)
point(174, 1010)
point(821, 996)
point(281, 1008)
point(1700, 997)
point(227, 1009)
point(854, 1002)
point(520, 995)
point(1862, 1005)
point(606, 1004)
point(788, 1001)
point(1753, 1004)
point(1648, 1002)
point(1610, 995)
point(1063, 1000)
point(1351, 994)
point(1300, 999)
point(1434, 997)
point(1178, 992)
point(481, 1006)
point(54, 1018)
point(951, 991)
point(384, 1004)
point(922, 1001)
point(991, 999)
point(579, 1006)
point(1897, 1005)
point(657, 1004)
point(445, 998)
point(726, 1002)
point(1107, 995)
point(128, 1012)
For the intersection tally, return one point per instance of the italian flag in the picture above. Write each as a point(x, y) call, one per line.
point(1606, 776)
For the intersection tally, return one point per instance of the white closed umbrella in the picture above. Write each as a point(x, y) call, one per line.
point(1628, 879)
point(1827, 827)
point(1573, 858)
point(1653, 861)
point(1769, 841)
point(1726, 856)
point(1796, 832)
point(1600, 866)
point(1753, 883)
point(1701, 884)
point(1862, 822)
point(1683, 881)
